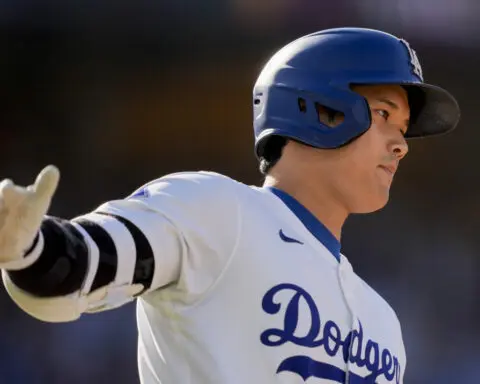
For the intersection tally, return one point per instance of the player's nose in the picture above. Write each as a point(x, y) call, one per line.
point(399, 148)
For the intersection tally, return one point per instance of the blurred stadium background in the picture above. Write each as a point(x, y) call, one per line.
point(117, 93)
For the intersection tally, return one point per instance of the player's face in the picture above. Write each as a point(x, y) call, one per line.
point(359, 175)
point(366, 167)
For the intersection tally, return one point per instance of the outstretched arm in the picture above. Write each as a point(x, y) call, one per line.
point(121, 250)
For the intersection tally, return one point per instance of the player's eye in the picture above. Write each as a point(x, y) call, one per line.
point(383, 113)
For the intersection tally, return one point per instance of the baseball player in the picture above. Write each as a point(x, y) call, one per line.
point(241, 284)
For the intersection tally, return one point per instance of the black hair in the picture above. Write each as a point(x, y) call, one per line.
point(272, 152)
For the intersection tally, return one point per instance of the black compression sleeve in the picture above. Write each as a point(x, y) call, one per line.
point(62, 266)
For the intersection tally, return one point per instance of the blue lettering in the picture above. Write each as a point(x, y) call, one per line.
point(353, 347)
point(372, 356)
point(356, 347)
point(387, 364)
point(287, 334)
point(331, 332)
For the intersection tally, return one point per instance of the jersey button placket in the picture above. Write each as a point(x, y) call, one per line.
point(345, 277)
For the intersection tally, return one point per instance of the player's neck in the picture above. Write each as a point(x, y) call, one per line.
point(321, 203)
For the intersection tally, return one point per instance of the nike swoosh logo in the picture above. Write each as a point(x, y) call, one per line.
point(288, 239)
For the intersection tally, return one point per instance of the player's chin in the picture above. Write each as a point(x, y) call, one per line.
point(375, 201)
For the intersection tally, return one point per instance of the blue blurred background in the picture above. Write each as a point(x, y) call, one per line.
point(117, 93)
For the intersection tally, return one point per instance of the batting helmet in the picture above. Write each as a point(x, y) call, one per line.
point(320, 68)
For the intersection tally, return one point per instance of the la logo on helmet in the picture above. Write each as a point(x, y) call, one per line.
point(417, 68)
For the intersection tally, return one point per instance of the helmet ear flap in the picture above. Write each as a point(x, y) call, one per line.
point(368, 110)
point(329, 117)
point(355, 137)
point(307, 116)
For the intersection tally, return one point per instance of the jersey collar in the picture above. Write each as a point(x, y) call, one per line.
point(314, 226)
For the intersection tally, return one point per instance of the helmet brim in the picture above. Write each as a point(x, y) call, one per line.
point(434, 111)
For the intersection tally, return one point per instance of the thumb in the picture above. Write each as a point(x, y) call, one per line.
point(46, 182)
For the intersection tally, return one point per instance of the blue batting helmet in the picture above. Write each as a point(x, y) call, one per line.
point(320, 68)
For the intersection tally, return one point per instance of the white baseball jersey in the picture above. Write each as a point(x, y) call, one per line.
point(252, 288)
point(238, 284)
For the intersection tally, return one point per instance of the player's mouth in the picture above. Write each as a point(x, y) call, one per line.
point(390, 169)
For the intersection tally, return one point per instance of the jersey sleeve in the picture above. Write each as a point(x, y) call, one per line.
point(180, 230)
point(180, 225)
